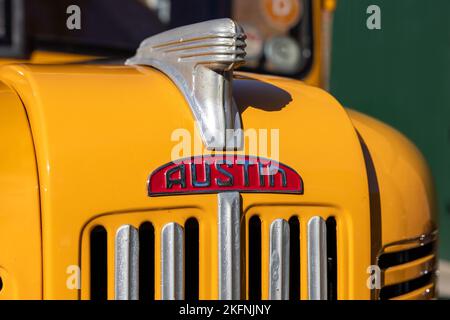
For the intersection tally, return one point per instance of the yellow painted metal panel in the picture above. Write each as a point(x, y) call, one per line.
point(106, 128)
point(20, 221)
point(406, 188)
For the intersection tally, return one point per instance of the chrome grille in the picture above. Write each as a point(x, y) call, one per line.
point(283, 271)
point(124, 261)
point(162, 259)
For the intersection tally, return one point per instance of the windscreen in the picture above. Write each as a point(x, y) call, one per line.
point(279, 32)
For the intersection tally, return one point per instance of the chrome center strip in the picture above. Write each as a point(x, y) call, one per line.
point(279, 260)
point(126, 280)
point(317, 259)
point(172, 262)
point(229, 225)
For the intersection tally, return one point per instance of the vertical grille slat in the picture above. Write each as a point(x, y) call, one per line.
point(126, 278)
point(172, 262)
point(279, 260)
point(229, 249)
point(317, 259)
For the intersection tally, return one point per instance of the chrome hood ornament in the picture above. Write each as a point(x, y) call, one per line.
point(200, 60)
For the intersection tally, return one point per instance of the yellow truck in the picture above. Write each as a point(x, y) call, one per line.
point(172, 176)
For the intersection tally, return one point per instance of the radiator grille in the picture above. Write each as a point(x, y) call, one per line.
point(284, 280)
point(409, 273)
point(132, 256)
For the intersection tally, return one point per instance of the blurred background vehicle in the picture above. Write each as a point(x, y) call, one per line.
point(36, 31)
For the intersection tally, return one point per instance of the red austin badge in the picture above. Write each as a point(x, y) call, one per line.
point(219, 173)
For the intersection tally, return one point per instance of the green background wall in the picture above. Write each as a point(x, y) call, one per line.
point(401, 75)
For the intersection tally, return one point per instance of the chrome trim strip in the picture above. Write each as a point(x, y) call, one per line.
point(279, 260)
point(126, 278)
point(317, 259)
point(409, 271)
point(229, 227)
point(172, 262)
point(427, 292)
point(407, 244)
point(200, 59)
